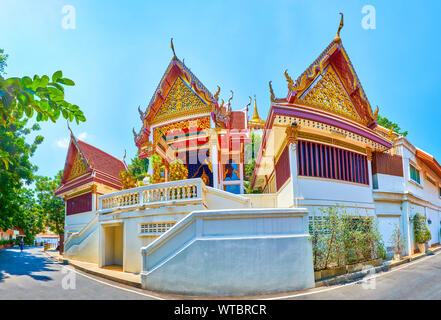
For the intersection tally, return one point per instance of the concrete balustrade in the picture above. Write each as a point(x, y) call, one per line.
point(154, 194)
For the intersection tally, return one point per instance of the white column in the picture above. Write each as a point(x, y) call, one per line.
point(241, 178)
point(214, 165)
point(294, 172)
point(406, 225)
point(101, 248)
point(370, 177)
point(94, 200)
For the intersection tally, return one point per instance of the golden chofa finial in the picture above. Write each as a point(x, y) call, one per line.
point(272, 97)
point(376, 113)
point(173, 47)
point(337, 37)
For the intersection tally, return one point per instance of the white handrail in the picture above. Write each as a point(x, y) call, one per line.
point(155, 193)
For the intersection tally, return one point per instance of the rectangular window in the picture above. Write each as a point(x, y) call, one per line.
point(156, 227)
point(414, 174)
point(323, 161)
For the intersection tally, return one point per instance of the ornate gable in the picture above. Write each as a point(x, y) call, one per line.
point(79, 167)
point(76, 163)
point(329, 94)
point(180, 101)
point(335, 86)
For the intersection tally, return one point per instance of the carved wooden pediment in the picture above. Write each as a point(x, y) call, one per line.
point(329, 94)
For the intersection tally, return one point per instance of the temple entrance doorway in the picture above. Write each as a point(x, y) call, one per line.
point(113, 241)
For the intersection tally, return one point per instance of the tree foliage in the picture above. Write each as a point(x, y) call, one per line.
point(422, 233)
point(138, 168)
point(3, 58)
point(20, 100)
point(385, 122)
point(137, 171)
point(52, 206)
point(29, 217)
point(19, 170)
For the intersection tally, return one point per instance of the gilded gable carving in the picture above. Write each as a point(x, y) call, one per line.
point(330, 95)
point(79, 168)
point(180, 101)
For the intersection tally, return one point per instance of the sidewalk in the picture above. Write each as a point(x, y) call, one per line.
point(126, 278)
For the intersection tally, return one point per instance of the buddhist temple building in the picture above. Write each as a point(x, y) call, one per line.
point(88, 173)
point(185, 121)
point(208, 234)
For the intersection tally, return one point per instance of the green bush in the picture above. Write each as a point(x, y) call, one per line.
point(397, 239)
point(340, 239)
point(422, 233)
point(6, 242)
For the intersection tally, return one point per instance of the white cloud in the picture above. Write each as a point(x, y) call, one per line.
point(82, 136)
point(63, 143)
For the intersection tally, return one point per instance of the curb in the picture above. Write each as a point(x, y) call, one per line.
point(97, 274)
point(387, 266)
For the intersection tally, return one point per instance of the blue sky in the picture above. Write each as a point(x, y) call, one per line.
point(119, 50)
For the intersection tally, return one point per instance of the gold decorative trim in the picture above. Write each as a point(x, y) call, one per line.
point(181, 100)
point(79, 167)
point(329, 94)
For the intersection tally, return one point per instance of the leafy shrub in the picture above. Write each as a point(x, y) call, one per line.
point(397, 240)
point(422, 233)
point(339, 239)
point(6, 242)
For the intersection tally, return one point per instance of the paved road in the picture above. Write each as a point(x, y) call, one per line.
point(31, 275)
point(420, 279)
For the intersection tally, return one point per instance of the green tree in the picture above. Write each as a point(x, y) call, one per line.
point(3, 58)
point(138, 168)
point(21, 98)
point(251, 151)
point(19, 172)
point(29, 217)
point(51, 206)
point(385, 122)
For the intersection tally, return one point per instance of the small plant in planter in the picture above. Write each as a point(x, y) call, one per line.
point(398, 242)
point(422, 233)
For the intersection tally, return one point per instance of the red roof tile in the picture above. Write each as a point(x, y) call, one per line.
point(100, 160)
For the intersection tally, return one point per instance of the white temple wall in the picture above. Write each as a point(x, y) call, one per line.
point(75, 222)
point(325, 190)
